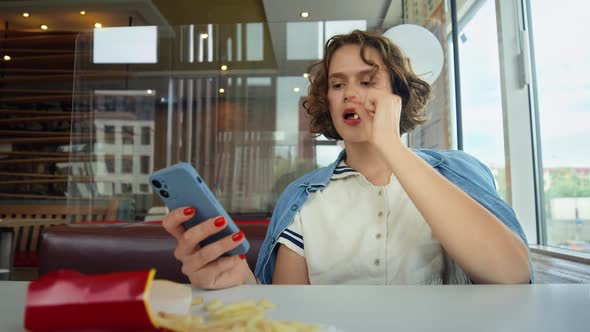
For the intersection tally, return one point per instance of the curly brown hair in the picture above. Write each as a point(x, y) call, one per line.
point(414, 92)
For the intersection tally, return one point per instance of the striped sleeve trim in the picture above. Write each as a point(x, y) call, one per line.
point(284, 240)
point(290, 232)
point(292, 239)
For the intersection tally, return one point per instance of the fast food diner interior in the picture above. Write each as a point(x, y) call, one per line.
point(96, 95)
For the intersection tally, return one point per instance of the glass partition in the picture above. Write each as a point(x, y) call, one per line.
point(225, 98)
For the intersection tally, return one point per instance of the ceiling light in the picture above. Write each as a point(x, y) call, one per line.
point(223, 67)
point(306, 75)
point(7, 57)
point(304, 14)
point(82, 12)
point(204, 36)
point(295, 89)
point(26, 14)
point(97, 25)
point(150, 91)
point(44, 27)
point(222, 90)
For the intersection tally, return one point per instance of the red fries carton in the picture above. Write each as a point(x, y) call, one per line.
point(69, 300)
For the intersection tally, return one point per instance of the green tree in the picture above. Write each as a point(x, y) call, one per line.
point(565, 182)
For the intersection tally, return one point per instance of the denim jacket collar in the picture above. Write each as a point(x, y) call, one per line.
point(319, 180)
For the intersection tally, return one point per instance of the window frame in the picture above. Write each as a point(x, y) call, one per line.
point(521, 125)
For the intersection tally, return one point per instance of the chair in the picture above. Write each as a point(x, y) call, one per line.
point(6, 235)
point(29, 220)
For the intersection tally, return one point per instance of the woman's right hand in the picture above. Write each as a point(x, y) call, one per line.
point(206, 267)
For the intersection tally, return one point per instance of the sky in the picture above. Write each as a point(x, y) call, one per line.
point(563, 83)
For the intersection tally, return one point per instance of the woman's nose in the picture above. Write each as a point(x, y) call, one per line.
point(350, 95)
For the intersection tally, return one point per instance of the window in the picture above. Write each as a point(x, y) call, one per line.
point(127, 135)
point(144, 188)
point(560, 71)
point(109, 134)
point(255, 42)
point(126, 188)
point(109, 161)
point(133, 45)
point(481, 98)
point(305, 40)
point(146, 133)
point(145, 165)
point(127, 164)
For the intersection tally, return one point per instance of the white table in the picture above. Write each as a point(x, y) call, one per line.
point(521, 308)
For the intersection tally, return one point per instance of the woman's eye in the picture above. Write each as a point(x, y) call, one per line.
point(368, 83)
point(337, 85)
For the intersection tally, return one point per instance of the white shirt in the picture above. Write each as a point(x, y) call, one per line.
point(354, 232)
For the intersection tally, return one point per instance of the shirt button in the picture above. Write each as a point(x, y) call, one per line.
point(378, 236)
point(380, 214)
point(380, 192)
point(272, 240)
point(376, 262)
point(293, 207)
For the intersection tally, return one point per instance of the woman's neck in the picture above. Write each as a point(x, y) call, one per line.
point(367, 161)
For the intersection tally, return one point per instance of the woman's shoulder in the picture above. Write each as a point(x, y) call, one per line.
point(452, 157)
point(459, 162)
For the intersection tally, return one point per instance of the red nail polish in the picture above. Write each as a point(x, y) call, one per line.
point(219, 222)
point(188, 211)
point(238, 236)
point(242, 256)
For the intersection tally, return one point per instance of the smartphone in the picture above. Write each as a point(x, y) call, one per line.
point(181, 185)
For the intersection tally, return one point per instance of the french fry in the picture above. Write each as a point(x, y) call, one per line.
point(242, 316)
point(265, 304)
point(198, 300)
point(213, 305)
point(233, 307)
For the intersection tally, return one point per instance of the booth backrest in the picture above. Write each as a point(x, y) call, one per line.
point(112, 248)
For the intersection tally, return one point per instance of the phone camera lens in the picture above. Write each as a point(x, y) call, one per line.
point(164, 193)
point(156, 183)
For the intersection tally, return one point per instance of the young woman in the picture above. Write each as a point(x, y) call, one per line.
point(381, 213)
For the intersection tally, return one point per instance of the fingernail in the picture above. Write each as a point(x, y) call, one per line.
point(238, 236)
point(188, 211)
point(219, 222)
point(242, 256)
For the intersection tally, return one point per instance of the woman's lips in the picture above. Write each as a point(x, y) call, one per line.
point(351, 117)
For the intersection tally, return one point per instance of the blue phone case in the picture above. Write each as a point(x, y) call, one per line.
point(180, 185)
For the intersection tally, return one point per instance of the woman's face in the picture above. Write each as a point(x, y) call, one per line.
point(349, 82)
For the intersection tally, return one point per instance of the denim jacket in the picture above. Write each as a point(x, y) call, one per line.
point(463, 170)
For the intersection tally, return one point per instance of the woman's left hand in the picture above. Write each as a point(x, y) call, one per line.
point(385, 109)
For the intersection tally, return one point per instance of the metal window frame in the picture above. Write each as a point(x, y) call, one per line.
point(524, 170)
